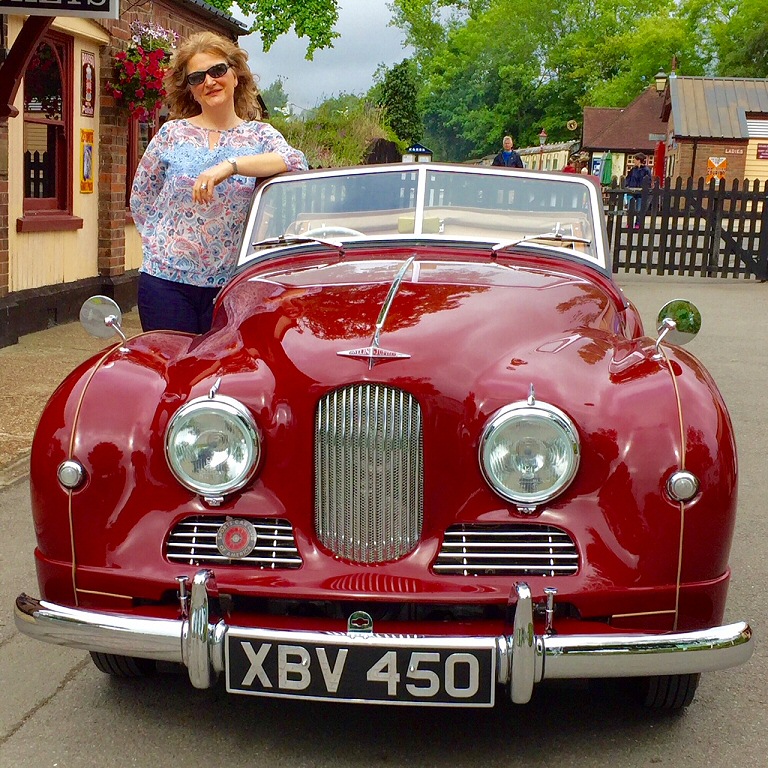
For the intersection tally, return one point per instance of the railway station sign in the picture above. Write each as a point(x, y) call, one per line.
point(89, 9)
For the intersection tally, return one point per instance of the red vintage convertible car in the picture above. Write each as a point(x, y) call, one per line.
point(427, 455)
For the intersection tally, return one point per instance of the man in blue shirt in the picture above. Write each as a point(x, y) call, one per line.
point(508, 156)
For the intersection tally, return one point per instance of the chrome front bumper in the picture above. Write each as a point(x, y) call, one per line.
point(523, 658)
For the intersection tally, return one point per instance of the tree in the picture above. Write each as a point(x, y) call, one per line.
point(493, 67)
point(275, 97)
point(313, 19)
point(740, 35)
point(397, 97)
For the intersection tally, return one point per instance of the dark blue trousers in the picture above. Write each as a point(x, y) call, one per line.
point(168, 306)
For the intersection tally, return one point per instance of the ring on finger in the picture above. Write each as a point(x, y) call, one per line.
point(203, 186)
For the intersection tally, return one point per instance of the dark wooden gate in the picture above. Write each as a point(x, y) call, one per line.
point(690, 228)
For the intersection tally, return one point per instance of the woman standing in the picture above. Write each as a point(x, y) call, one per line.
point(193, 186)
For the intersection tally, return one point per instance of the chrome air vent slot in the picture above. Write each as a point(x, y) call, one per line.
point(515, 549)
point(193, 541)
point(368, 473)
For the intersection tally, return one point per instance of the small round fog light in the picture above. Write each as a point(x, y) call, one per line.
point(70, 474)
point(682, 486)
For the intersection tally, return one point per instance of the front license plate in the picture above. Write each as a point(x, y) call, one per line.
point(396, 671)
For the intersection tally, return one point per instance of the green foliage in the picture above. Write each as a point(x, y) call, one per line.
point(482, 82)
point(490, 67)
point(495, 67)
point(312, 19)
point(740, 34)
point(275, 97)
point(337, 133)
point(397, 96)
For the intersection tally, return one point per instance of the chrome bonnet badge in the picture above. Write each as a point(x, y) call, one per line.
point(374, 353)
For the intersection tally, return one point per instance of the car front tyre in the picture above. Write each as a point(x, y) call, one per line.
point(123, 666)
point(670, 692)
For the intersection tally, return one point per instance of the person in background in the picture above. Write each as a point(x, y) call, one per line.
point(572, 166)
point(508, 156)
point(634, 183)
point(193, 185)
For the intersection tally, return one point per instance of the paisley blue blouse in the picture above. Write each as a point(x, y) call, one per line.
point(188, 242)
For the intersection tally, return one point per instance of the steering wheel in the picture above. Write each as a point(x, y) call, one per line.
point(332, 232)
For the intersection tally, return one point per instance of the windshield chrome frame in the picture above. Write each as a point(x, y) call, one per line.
point(601, 259)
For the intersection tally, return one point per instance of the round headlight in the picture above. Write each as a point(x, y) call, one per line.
point(529, 453)
point(212, 445)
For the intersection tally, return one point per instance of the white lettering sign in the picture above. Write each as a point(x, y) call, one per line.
point(94, 9)
point(426, 675)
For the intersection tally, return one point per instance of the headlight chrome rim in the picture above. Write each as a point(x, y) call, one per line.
point(231, 412)
point(547, 415)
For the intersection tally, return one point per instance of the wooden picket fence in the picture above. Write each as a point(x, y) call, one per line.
point(690, 227)
point(39, 178)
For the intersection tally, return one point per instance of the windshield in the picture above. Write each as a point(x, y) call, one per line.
point(472, 204)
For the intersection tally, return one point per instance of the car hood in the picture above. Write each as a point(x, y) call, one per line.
point(457, 321)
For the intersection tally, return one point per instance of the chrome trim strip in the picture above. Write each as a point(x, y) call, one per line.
point(387, 305)
point(421, 195)
point(200, 645)
point(374, 353)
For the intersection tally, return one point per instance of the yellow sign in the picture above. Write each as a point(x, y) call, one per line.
point(716, 167)
point(86, 161)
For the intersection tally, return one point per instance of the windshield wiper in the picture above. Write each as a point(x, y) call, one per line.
point(298, 240)
point(555, 236)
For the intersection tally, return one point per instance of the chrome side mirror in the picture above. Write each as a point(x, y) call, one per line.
point(678, 322)
point(100, 316)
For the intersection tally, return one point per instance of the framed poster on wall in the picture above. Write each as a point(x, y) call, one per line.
point(86, 161)
point(88, 84)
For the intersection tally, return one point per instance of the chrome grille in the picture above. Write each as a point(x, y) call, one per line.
point(516, 549)
point(368, 473)
point(193, 541)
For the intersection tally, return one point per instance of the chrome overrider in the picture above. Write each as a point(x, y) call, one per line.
point(523, 658)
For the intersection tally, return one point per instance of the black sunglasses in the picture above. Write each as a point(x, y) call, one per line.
point(217, 70)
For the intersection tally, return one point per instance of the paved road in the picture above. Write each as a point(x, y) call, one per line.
point(58, 710)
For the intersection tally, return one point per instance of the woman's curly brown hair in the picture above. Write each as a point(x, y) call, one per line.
point(179, 97)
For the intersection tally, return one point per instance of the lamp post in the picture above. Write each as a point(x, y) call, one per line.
point(660, 78)
point(542, 142)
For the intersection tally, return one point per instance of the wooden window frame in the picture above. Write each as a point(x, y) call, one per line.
point(55, 213)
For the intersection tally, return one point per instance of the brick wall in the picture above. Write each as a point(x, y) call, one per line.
point(692, 157)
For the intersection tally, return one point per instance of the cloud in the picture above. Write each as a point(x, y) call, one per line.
point(366, 40)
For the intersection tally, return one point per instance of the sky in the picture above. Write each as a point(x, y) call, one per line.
point(365, 41)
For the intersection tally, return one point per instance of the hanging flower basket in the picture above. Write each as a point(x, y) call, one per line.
point(138, 72)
